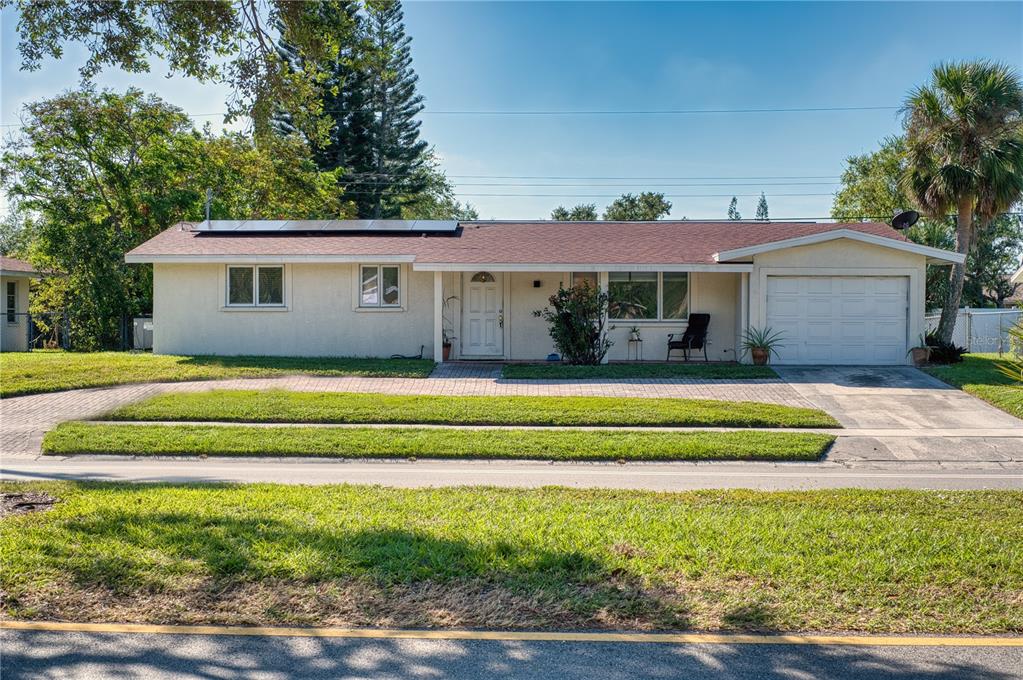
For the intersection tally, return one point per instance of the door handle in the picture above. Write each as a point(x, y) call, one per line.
point(500, 319)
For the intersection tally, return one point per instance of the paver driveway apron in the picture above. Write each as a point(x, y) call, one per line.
point(903, 398)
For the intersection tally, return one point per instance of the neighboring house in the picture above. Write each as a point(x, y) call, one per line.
point(15, 276)
point(840, 293)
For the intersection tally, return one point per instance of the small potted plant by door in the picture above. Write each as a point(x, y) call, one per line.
point(921, 353)
point(634, 334)
point(761, 343)
point(446, 345)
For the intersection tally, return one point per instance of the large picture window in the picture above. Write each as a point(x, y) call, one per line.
point(257, 286)
point(648, 295)
point(380, 286)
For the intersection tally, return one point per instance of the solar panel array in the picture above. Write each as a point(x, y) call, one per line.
point(286, 226)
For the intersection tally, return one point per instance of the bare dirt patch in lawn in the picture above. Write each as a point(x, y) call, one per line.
point(12, 503)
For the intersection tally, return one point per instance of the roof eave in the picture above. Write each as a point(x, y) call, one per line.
point(933, 255)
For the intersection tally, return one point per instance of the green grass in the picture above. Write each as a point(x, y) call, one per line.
point(552, 558)
point(35, 372)
point(978, 375)
point(278, 406)
point(399, 442)
point(558, 371)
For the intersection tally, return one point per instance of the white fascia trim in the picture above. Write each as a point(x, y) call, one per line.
point(13, 274)
point(915, 248)
point(257, 259)
point(577, 267)
point(1017, 277)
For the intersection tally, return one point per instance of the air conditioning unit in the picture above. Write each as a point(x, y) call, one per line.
point(142, 333)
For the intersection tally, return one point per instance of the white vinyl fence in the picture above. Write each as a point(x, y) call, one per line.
point(981, 330)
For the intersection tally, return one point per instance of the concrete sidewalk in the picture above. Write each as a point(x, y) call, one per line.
point(678, 476)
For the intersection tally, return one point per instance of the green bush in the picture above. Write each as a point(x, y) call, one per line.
point(577, 320)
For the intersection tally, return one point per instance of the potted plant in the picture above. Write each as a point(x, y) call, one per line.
point(761, 343)
point(446, 345)
point(921, 353)
point(634, 333)
point(447, 337)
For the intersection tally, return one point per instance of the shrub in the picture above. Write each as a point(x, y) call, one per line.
point(944, 352)
point(577, 321)
point(1013, 367)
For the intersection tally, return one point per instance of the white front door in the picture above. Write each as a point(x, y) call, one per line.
point(483, 316)
point(839, 319)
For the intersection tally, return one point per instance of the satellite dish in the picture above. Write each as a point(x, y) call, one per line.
point(905, 219)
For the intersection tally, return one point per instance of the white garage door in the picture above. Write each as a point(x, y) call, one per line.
point(839, 319)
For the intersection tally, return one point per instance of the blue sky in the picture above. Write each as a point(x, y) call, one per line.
point(488, 56)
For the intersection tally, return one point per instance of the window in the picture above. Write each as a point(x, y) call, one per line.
point(255, 286)
point(648, 295)
point(380, 287)
point(12, 301)
point(483, 277)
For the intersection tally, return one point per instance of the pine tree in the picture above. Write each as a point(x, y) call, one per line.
point(371, 100)
point(397, 151)
point(733, 210)
point(762, 209)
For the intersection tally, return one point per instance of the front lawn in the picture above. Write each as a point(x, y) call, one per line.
point(559, 371)
point(978, 375)
point(398, 442)
point(552, 558)
point(34, 372)
point(278, 406)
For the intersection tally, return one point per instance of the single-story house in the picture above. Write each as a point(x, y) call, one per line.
point(15, 277)
point(839, 293)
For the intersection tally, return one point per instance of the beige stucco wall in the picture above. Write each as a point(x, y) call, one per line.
point(319, 319)
point(842, 257)
point(14, 336)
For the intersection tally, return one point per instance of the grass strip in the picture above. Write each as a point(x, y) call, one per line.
point(279, 406)
point(49, 371)
point(558, 371)
point(978, 375)
point(553, 558)
point(400, 442)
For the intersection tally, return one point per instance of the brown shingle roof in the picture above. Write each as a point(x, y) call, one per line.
point(511, 242)
point(11, 264)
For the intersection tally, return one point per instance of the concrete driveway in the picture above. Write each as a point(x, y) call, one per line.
point(916, 416)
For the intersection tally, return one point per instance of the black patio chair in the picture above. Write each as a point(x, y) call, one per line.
point(695, 337)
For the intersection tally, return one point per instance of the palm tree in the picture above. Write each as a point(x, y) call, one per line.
point(964, 153)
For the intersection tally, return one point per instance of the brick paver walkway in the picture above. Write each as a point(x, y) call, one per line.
point(24, 420)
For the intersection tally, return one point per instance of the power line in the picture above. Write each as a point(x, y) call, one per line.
point(460, 193)
point(591, 112)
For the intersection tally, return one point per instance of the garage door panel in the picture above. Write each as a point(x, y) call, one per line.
point(839, 320)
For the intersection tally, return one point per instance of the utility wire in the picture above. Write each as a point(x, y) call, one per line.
point(591, 112)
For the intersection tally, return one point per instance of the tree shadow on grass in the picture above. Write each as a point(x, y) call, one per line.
point(277, 572)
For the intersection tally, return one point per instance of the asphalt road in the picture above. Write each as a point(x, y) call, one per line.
point(653, 476)
point(91, 656)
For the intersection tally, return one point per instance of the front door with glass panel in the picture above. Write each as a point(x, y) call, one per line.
point(483, 316)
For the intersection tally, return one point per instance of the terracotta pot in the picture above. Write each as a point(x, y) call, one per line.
point(446, 351)
point(760, 356)
point(921, 355)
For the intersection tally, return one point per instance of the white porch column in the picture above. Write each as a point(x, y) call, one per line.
point(743, 315)
point(602, 284)
point(438, 317)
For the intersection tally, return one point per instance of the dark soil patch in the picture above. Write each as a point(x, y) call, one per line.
point(20, 503)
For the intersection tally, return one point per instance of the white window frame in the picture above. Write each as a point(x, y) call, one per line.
point(381, 306)
point(11, 302)
point(255, 304)
point(660, 298)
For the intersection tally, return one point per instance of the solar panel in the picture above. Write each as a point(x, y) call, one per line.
point(283, 226)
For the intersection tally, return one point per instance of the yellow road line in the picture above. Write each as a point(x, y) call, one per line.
point(402, 634)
